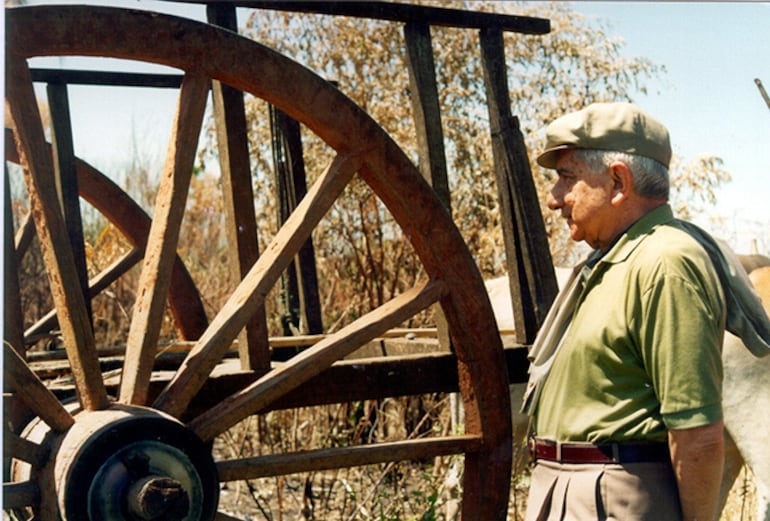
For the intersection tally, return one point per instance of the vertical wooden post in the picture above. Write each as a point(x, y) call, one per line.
point(533, 286)
point(230, 116)
point(67, 181)
point(426, 108)
point(430, 136)
point(301, 279)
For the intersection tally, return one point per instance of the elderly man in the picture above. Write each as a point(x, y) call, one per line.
point(625, 387)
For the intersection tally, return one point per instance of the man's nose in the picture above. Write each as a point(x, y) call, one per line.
point(552, 201)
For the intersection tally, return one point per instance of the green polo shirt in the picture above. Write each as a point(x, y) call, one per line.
point(642, 353)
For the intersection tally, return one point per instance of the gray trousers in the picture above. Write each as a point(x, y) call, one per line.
point(585, 492)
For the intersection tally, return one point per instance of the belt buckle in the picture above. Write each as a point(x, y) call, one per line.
point(532, 445)
point(532, 448)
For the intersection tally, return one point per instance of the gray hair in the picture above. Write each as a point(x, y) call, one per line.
point(651, 178)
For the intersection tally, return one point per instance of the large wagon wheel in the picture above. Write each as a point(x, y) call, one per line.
point(109, 456)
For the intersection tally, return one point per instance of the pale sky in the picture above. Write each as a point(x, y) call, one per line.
point(708, 99)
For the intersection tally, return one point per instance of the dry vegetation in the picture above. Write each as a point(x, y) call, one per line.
point(361, 257)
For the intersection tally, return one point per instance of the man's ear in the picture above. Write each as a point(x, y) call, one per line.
point(622, 182)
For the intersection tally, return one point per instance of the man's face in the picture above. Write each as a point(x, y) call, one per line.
point(583, 198)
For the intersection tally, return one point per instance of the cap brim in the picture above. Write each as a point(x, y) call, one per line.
point(549, 156)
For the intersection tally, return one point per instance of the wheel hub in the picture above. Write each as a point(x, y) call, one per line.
point(131, 463)
point(149, 480)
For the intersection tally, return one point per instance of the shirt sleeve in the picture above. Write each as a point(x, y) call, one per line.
point(680, 342)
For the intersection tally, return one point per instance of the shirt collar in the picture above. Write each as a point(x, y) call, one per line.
point(629, 240)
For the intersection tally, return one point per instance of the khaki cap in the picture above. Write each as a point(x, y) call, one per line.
point(622, 127)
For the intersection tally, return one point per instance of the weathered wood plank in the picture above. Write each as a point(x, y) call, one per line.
point(342, 457)
point(241, 223)
point(279, 342)
point(397, 12)
point(251, 292)
point(160, 253)
point(67, 182)
point(365, 379)
point(427, 120)
point(106, 78)
point(57, 252)
point(289, 164)
point(314, 360)
point(239, 211)
point(344, 381)
point(426, 109)
point(529, 265)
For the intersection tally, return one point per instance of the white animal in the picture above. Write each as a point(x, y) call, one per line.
point(746, 403)
point(746, 395)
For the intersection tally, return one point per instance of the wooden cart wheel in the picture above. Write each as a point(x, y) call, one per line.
point(138, 454)
point(184, 300)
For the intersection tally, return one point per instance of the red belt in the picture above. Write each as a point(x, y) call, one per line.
point(628, 452)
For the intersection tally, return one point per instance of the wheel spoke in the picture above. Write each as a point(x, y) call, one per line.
point(339, 457)
point(23, 449)
point(20, 494)
point(34, 393)
point(160, 254)
point(250, 293)
point(57, 252)
point(314, 360)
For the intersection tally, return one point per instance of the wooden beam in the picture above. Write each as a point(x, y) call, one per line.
point(396, 12)
point(426, 109)
point(301, 288)
point(235, 165)
point(530, 270)
point(66, 180)
point(344, 381)
point(106, 78)
point(342, 457)
point(365, 379)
